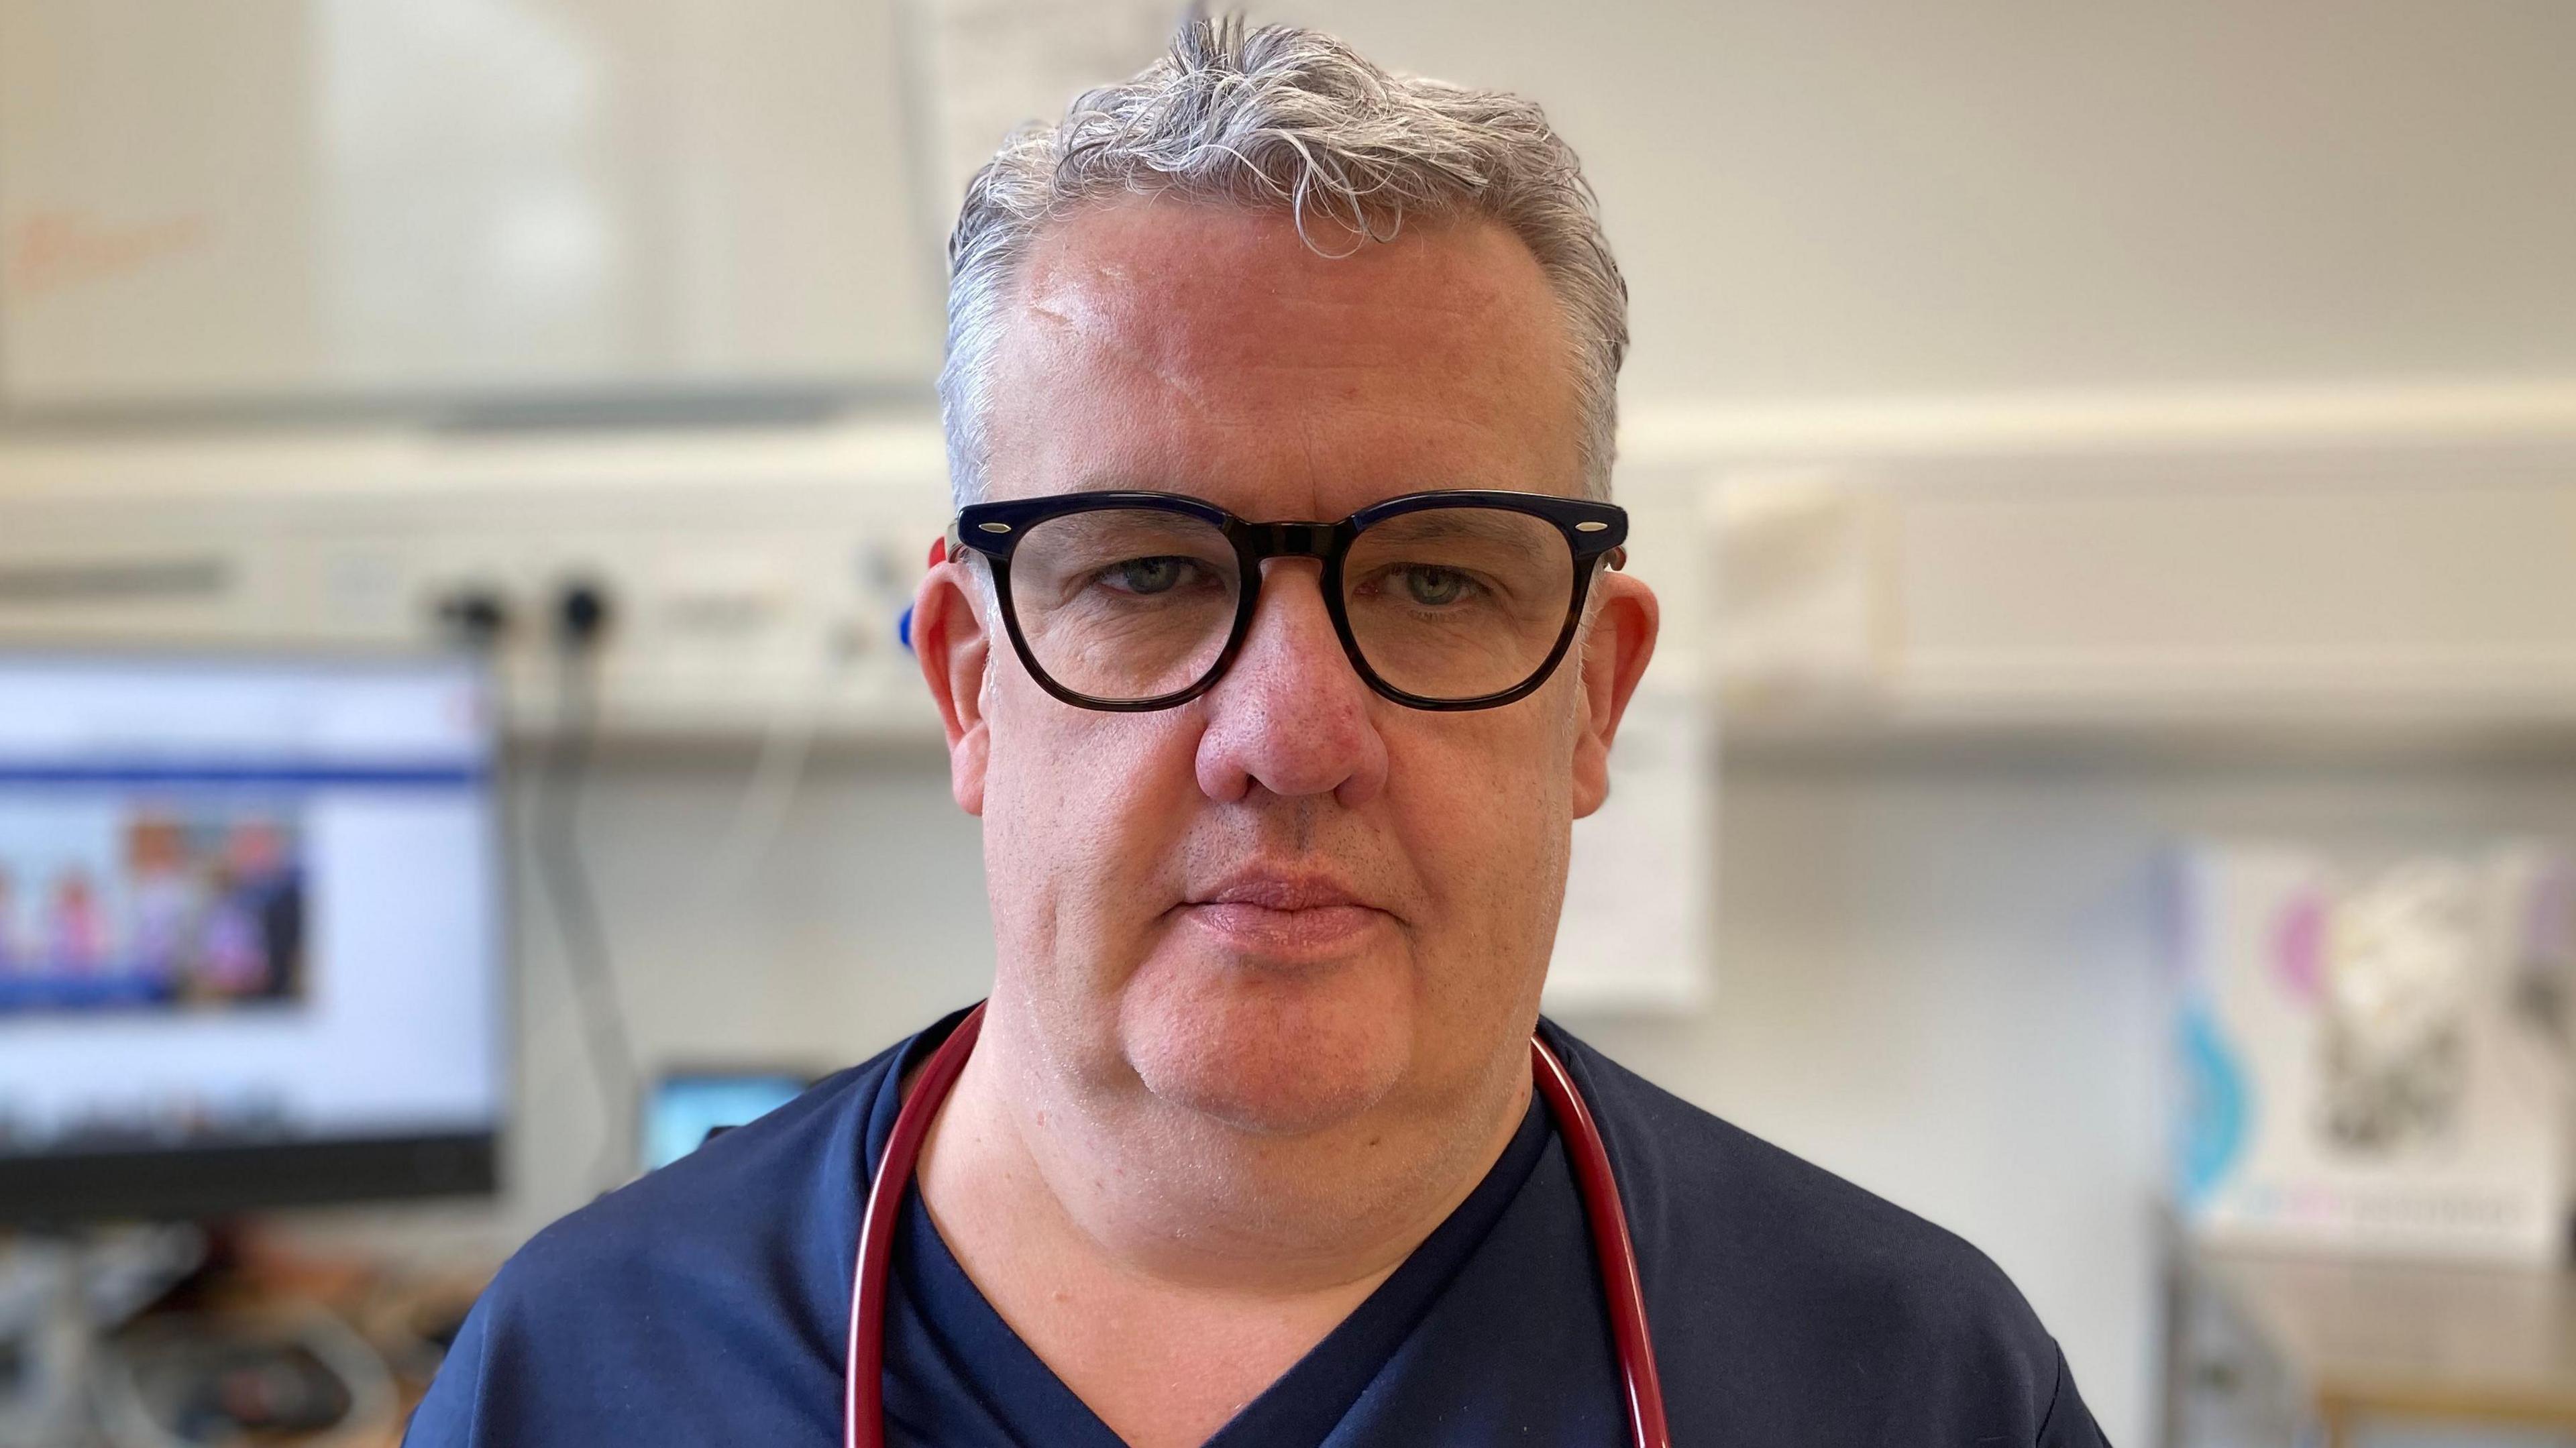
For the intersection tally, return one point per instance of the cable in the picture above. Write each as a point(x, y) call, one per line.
point(564, 874)
point(759, 815)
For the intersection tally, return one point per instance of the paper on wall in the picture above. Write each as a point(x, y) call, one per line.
point(1636, 931)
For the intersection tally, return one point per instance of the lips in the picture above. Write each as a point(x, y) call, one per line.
point(1284, 915)
point(1280, 890)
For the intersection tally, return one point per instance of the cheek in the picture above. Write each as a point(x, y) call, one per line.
point(1080, 811)
point(1484, 804)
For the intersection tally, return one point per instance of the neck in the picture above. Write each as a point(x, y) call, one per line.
point(1027, 1162)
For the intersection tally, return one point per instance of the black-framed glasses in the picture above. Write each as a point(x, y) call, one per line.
point(1444, 600)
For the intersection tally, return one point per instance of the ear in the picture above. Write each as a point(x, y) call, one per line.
point(1616, 646)
point(954, 647)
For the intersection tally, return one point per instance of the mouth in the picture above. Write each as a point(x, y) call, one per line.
point(1283, 916)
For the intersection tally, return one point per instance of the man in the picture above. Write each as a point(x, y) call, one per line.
point(1276, 820)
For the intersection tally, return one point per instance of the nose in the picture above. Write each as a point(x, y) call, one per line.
point(1291, 716)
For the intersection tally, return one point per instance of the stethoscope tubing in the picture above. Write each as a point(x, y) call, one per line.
point(863, 1390)
point(1623, 1291)
point(863, 1387)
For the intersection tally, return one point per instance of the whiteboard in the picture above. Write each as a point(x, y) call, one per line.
point(320, 200)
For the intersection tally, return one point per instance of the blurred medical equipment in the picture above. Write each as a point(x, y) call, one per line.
point(2333, 1352)
point(177, 1382)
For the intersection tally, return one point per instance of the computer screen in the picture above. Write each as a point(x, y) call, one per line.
point(685, 1106)
point(250, 932)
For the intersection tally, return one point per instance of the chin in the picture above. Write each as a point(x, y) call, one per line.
point(1266, 1050)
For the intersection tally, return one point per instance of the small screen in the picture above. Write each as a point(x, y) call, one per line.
point(245, 902)
point(685, 1107)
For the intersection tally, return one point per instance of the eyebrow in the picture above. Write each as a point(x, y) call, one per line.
point(1127, 483)
point(1498, 528)
point(1497, 525)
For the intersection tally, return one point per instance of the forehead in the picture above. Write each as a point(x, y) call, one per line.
point(1208, 349)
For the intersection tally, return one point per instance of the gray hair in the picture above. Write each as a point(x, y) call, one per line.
point(1290, 118)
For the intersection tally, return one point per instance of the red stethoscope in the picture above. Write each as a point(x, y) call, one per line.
point(863, 1397)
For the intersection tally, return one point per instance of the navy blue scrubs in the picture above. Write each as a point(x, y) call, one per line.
point(708, 1304)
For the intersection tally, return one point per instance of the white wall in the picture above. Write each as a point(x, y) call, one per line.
point(1870, 196)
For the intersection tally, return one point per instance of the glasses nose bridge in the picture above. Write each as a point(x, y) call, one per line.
point(1271, 542)
point(1292, 540)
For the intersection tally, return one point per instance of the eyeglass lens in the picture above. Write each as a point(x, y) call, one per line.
point(1125, 603)
point(1448, 604)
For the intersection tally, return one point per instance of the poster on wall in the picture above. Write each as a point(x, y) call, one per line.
point(2373, 1057)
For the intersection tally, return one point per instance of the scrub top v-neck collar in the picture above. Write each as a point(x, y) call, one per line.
point(939, 1312)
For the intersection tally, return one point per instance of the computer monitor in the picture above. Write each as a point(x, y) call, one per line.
point(250, 933)
point(686, 1107)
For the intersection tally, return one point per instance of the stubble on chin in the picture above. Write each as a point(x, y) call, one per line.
point(1273, 1053)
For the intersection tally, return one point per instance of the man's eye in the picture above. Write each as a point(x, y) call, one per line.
point(1147, 575)
point(1431, 587)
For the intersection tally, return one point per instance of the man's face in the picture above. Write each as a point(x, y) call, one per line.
point(1289, 902)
